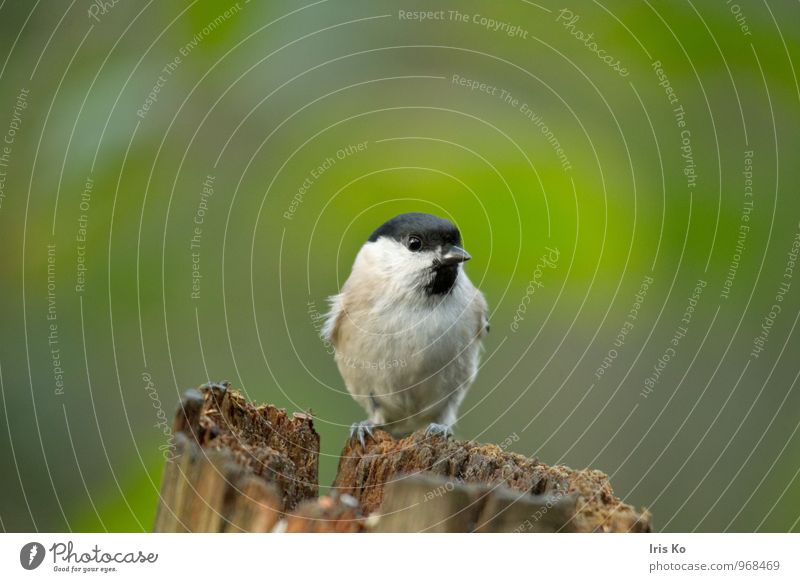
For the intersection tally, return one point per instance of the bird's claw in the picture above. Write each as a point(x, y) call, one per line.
point(436, 429)
point(361, 428)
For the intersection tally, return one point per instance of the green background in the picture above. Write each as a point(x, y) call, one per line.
point(264, 96)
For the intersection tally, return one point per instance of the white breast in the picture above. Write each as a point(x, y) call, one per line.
point(407, 359)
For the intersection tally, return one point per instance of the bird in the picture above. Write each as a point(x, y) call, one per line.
point(407, 327)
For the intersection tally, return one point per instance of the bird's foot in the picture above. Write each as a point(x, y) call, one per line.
point(360, 429)
point(436, 429)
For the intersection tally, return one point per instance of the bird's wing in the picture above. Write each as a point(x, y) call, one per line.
point(482, 309)
point(333, 319)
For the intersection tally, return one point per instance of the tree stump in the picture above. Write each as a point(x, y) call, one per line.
point(329, 513)
point(518, 490)
point(238, 467)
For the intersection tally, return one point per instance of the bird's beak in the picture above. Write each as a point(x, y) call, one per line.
point(454, 255)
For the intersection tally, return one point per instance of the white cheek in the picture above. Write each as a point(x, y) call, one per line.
point(397, 264)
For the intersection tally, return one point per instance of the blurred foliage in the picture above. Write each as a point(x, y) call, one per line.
point(263, 96)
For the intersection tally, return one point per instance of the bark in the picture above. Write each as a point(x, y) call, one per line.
point(238, 467)
point(377, 476)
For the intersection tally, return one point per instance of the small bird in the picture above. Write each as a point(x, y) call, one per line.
point(407, 327)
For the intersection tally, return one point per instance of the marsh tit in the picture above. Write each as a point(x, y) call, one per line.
point(407, 327)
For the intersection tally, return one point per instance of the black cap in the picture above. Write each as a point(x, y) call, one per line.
point(431, 230)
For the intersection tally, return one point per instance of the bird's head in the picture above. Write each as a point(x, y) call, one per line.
point(418, 251)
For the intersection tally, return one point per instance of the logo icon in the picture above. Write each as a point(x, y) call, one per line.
point(31, 555)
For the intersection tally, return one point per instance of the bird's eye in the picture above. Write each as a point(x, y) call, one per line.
point(414, 243)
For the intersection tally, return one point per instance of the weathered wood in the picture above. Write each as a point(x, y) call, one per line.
point(236, 467)
point(424, 503)
point(367, 472)
point(334, 513)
